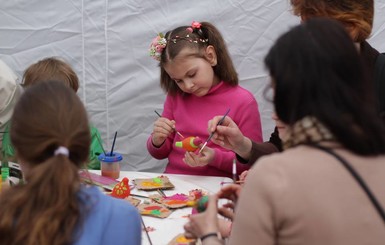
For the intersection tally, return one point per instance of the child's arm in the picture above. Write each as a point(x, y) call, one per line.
point(160, 143)
point(162, 151)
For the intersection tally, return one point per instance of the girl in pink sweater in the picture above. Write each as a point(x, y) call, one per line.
point(200, 81)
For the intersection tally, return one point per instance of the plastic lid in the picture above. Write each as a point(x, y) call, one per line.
point(116, 157)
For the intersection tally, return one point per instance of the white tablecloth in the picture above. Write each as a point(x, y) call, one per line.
point(166, 229)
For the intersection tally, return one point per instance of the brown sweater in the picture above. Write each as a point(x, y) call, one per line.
point(261, 149)
point(305, 196)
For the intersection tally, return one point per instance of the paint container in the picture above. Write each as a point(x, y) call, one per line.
point(110, 165)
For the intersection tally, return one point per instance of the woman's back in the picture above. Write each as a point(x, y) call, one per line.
point(305, 196)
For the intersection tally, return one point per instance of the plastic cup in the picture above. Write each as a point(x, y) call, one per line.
point(110, 164)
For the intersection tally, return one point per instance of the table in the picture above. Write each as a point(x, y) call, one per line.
point(166, 229)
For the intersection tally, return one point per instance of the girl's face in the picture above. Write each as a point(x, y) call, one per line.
point(280, 125)
point(193, 75)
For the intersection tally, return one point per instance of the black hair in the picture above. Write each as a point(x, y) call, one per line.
point(316, 71)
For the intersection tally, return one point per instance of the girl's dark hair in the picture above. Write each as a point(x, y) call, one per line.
point(46, 210)
point(185, 39)
point(316, 71)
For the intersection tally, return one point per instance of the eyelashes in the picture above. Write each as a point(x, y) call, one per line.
point(181, 81)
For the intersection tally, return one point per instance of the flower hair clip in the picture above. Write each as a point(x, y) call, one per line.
point(194, 25)
point(157, 46)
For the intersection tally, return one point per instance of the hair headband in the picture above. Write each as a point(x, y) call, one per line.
point(160, 42)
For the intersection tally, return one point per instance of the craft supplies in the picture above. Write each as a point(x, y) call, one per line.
point(189, 144)
point(110, 164)
point(211, 135)
point(174, 128)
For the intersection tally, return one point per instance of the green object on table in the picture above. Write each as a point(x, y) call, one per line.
point(157, 180)
point(96, 148)
point(201, 204)
point(4, 171)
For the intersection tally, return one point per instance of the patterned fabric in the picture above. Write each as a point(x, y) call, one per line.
point(308, 130)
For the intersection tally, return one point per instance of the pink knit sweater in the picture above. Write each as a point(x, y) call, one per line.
point(192, 113)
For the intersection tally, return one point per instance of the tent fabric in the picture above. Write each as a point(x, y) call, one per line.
point(107, 44)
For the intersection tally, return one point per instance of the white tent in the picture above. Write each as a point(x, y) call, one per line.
point(107, 43)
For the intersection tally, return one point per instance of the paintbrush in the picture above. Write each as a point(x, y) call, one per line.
point(136, 195)
point(174, 128)
point(211, 135)
point(161, 192)
point(231, 182)
point(234, 171)
point(145, 229)
point(113, 143)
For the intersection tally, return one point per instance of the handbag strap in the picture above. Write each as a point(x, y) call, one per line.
point(354, 173)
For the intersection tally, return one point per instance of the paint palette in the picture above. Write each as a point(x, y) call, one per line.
point(157, 183)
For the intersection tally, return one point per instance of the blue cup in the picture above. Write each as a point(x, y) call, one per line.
point(110, 165)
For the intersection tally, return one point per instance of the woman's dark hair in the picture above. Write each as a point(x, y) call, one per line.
point(46, 210)
point(185, 39)
point(316, 71)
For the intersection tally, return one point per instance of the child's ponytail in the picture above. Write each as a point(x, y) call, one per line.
point(51, 135)
point(40, 218)
point(224, 69)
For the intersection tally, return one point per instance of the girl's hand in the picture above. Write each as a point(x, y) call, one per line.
point(196, 159)
point(203, 223)
point(163, 127)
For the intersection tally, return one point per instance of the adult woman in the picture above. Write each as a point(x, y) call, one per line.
point(357, 18)
point(304, 195)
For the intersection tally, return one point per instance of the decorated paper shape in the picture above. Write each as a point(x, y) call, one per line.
point(97, 179)
point(160, 182)
point(134, 201)
point(154, 210)
point(122, 189)
point(196, 194)
point(174, 201)
point(180, 239)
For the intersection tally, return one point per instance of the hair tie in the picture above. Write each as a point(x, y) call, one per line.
point(61, 150)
